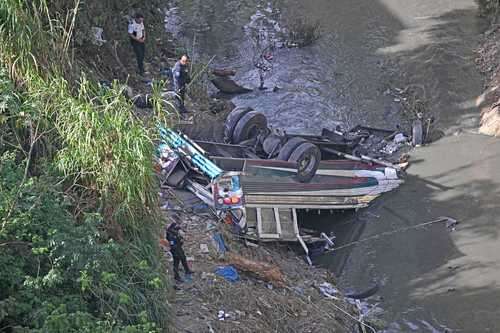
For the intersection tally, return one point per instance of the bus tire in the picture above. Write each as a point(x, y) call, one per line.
point(307, 157)
point(249, 126)
point(288, 148)
point(232, 120)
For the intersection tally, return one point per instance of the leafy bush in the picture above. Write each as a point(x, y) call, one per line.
point(59, 276)
point(78, 214)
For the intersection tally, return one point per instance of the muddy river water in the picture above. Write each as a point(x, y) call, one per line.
point(431, 279)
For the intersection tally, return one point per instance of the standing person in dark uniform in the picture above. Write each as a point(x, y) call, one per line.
point(175, 240)
point(181, 78)
point(137, 38)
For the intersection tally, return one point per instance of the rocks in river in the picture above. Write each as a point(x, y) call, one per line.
point(229, 86)
point(223, 72)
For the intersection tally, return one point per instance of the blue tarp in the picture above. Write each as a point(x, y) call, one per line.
point(228, 272)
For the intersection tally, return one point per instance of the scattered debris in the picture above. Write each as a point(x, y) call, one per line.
point(451, 223)
point(400, 138)
point(219, 243)
point(222, 315)
point(417, 133)
point(328, 290)
point(204, 248)
point(264, 307)
point(365, 294)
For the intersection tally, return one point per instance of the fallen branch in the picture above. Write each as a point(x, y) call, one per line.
point(264, 271)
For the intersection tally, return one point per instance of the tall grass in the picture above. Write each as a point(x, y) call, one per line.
point(27, 34)
point(91, 136)
point(100, 140)
point(109, 147)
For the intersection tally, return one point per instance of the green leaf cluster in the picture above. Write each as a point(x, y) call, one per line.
point(62, 276)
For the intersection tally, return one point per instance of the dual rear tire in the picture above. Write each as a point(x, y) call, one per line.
point(304, 154)
point(244, 123)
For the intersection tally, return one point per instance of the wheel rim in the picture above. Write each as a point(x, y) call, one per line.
point(306, 165)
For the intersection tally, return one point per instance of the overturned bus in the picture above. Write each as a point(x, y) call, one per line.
point(262, 185)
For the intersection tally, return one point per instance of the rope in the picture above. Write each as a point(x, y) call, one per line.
point(387, 233)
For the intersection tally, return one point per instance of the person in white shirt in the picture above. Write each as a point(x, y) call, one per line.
point(137, 38)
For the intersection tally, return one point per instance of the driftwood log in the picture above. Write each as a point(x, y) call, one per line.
point(228, 86)
point(266, 272)
point(223, 72)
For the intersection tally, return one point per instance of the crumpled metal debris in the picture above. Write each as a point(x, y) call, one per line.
point(328, 290)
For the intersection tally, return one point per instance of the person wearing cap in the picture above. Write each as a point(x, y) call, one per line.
point(137, 35)
point(175, 240)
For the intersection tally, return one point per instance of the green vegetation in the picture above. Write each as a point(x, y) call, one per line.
point(78, 210)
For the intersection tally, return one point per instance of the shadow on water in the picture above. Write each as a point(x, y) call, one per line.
point(444, 66)
point(347, 226)
point(422, 272)
point(430, 277)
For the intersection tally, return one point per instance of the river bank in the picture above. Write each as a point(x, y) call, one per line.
point(207, 302)
point(78, 203)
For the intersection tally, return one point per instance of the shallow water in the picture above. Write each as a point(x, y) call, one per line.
point(431, 278)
